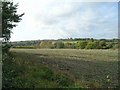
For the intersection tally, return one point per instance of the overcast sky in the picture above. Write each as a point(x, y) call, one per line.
point(52, 19)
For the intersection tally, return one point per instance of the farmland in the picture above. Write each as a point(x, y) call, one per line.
point(87, 68)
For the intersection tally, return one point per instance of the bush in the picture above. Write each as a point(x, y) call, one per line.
point(10, 71)
point(5, 48)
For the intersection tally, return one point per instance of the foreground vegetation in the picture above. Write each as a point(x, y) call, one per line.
point(51, 68)
point(22, 73)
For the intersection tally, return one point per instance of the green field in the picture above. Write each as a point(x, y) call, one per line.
point(87, 68)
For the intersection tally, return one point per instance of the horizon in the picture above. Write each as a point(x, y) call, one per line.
point(64, 39)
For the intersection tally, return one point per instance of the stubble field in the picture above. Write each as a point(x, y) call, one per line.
point(87, 68)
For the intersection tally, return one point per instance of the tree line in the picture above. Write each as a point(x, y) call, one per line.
point(68, 44)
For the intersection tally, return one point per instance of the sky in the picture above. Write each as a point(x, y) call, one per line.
point(53, 19)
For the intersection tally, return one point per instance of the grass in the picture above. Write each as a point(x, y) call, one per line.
point(69, 67)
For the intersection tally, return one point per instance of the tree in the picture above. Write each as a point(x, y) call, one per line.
point(59, 44)
point(69, 45)
point(50, 45)
point(43, 44)
point(46, 44)
point(9, 20)
point(8, 11)
point(109, 45)
point(102, 44)
point(97, 44)
point(116, 46)
point(81, 44)
point(91, 45)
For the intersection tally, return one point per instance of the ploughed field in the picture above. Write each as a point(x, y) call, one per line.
point(99, 67)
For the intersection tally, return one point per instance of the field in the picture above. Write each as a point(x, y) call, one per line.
point(87, 68)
